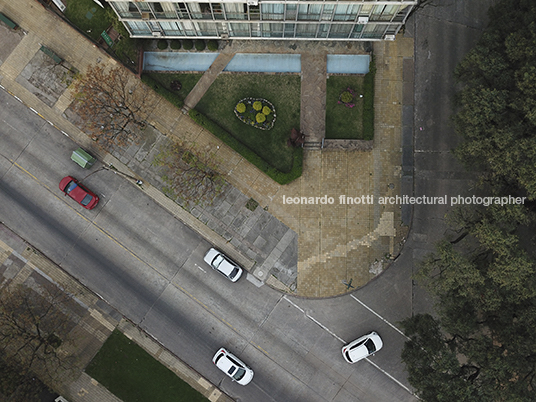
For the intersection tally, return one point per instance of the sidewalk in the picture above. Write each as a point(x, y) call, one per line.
point(93, 320)
point(309, 250)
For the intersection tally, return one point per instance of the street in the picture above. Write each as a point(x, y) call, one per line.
point(150, 267)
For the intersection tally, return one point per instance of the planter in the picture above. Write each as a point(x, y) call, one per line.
point(256, 112)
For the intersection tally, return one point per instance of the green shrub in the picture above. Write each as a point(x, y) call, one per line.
point(162, 44)
point(162, 90)
point(257, 106)
point(368, 102)
point(266, 110)
point(346, 97)
point(248, 154)
point(200, 44)
point(260, 117)
point(240, 108)
point(212, 45)
point(187, 44)
point(175, 44)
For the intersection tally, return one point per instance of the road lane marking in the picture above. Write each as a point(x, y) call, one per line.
point(379, 316)
point(390, 376)
point(344, 342)
point(315, 321)
point(200, 268)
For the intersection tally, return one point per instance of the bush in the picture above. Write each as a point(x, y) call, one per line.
point(266, 110)
point(240, 108)
point(252, 157)
point(212, 45)
point(162, 44)
point(200, 44)
point(260, 117)
point(346, 97)
point(187, 44)
point(162, 90)
point(175, 44)
point(257, 106)
point(368, 103)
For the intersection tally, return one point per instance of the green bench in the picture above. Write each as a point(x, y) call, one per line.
point(6, 20)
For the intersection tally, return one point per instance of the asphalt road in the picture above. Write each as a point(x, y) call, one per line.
point(150, 267)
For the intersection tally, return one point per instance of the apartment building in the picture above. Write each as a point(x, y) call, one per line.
point(364, 20)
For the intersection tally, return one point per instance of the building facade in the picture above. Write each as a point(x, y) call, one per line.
point(265, 19)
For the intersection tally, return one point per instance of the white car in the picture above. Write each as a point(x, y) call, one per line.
point(362, 347)
point(221, 263)
point(233, 367)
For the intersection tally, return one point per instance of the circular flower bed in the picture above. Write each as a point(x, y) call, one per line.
point(255, 112)
point(347, 97)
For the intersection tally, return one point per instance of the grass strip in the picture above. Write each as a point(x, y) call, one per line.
point(133, 375)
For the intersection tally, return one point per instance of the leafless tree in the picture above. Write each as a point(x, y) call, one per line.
point(33, 327)
point(190, 172)
point(112, 104)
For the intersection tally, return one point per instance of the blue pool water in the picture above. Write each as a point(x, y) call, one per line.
point(348, 63)
point(174, 61)
point(265, 63)
point(252, 62)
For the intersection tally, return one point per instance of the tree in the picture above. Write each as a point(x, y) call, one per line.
point(33, 326)
point(497, 106)
point(113, 105)
point(191, 173)
point(482, 344)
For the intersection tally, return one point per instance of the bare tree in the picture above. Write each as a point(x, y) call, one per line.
point(112, 104)
point(33, 327)
point(191, 173)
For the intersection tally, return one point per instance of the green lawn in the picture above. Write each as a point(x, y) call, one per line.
point(133, 375)
point(188, 81)
point(78, 11)
point(343, 122)
point(283, 91)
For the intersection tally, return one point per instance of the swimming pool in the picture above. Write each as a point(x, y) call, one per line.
point(175, 61)
point(348, 63)
point(265, 63)
point(252, 62)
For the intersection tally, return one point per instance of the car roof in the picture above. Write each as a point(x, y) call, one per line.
point(358, 350)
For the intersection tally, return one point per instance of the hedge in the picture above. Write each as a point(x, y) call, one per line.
point(368, 102)
point(252, 157)
point(162, 90)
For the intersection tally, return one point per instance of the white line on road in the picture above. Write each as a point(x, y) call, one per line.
point(379, 316)
point(315, 320)
point(342, 340)
point(200, 268)
point(390, 376)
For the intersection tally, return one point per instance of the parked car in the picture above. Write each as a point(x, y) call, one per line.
point(72, 187)
point(233, 366)
point(221, 263)
point(362, 347)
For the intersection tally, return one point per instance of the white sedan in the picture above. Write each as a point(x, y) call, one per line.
point(233, 367)
point(362, 347)
point(221, 263)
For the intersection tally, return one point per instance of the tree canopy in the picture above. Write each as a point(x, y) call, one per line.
point(497, 107)
point(112, 104)
point(482, 343)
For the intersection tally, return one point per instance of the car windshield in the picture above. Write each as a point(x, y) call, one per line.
point(217, 261)
point(240, 373)
point(233, 274)
point(370, 346)
point(70, 187)
point(87, 199)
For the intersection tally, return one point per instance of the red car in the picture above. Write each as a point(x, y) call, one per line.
point(71, 187)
